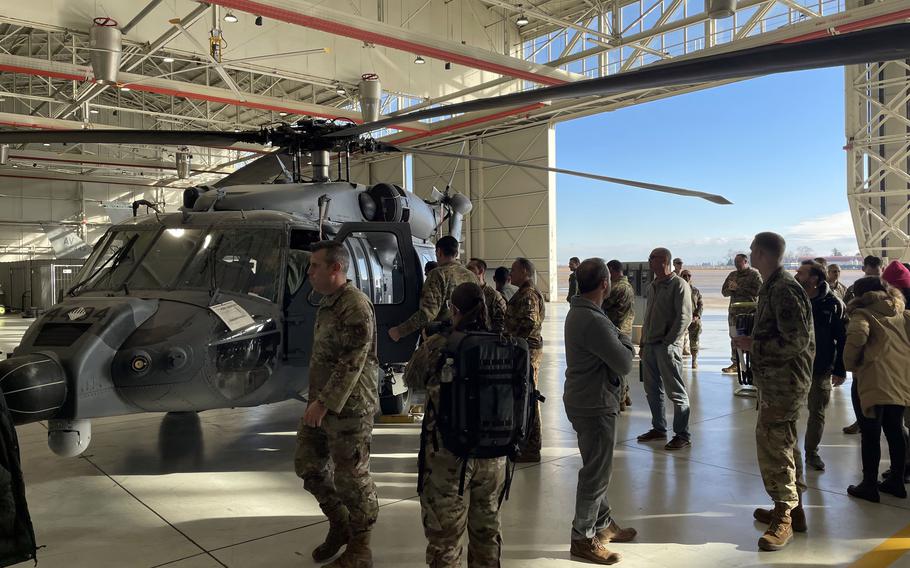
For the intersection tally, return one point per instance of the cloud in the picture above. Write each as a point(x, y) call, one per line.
point(836, 227)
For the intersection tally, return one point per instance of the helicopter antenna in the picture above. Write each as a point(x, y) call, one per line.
point(287, 174)
point(324, 201)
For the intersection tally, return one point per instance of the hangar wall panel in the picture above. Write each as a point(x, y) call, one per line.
point(387, 171)
point(514, 209)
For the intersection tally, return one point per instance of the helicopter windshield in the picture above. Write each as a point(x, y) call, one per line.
point(231, 260)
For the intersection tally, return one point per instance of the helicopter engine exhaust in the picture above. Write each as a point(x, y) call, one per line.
point(35, 387)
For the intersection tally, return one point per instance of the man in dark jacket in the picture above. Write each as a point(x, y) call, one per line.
point(597, 358)
point(829, 317)
point(17, 536)
point(573, 278)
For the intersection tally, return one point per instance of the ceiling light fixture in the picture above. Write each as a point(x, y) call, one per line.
point(522, 20)
point(258, 20)
point(124, 89)
point(168, 60)
point(94, 111)
point(46, 144)
point(419, 60)
point(231, 18)
point(282, 113)
point(340, 90)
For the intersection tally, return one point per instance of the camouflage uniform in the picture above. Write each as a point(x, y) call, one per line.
point(783, 349)
point(334, 460)
point(437, 291)
point(618, 305)
point(839, 290)
point(446, 514)
point(524, 318)
point(748, 282)
point(496, 308)
point(698, 306)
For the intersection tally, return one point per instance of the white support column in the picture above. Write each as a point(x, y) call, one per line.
point(878, 162)
point(514, 209)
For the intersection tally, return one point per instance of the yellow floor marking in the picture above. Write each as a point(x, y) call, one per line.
point(887, 553)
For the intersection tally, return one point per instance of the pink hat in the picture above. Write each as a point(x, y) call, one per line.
point(897, 275)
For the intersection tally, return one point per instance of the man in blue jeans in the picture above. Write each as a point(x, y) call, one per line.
point(597, 358)
point(667, 319)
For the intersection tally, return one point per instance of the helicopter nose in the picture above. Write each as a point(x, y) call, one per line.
point(34, 386)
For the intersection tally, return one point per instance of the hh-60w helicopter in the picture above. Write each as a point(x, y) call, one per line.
point(209, 307)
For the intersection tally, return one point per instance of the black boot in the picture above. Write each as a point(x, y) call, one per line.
point(867, 491)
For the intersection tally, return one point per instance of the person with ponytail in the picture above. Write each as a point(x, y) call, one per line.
point(447, 513)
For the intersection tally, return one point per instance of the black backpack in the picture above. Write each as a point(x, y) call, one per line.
point(486, 398)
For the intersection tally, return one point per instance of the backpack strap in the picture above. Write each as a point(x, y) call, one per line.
point(507, 486)
point(464, 474)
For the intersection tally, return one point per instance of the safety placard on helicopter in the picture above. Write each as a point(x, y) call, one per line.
point(233, 316)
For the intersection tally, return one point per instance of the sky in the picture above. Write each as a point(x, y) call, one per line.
point(773, 146)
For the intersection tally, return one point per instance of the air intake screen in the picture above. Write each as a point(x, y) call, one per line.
point(60, 334)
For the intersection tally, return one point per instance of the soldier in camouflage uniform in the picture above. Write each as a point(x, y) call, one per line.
point(741, 285)
point(524, 318)
point(618, 307)
point(496, 304)
point(437, 290)
point(446, 514)
point(837, 287)
point(698, 306)
point(782, 345)
point(333, 442)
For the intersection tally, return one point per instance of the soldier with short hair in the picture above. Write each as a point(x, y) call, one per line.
point(333, 442)
point(741, 286)
point(496, 304)
point(437, 290)
point(698, 306)
point(524, 318)
point(837, 287)
point(618, 306)
point(501, 278)
point(782, 345)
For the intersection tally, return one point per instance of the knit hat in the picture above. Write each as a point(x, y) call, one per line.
point(897, 275)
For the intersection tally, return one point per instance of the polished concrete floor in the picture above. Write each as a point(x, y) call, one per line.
point(218, 489)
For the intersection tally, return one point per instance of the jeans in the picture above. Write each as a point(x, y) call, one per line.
point(663, 372)
point(890, 419)
point(596, 438)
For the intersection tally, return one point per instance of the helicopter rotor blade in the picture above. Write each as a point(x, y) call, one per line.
point(162, 137)
point(713, 198)
point(260, 170)
point(866, 46)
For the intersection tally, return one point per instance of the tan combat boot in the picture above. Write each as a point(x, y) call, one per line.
point(731, 370)
point(614, 533)
point(593, 550)
point(357, 554)
point(339, 534)
point(780, 533)
point(797, 517)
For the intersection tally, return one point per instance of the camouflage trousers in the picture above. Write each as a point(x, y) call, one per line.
point(534, 442)
point(694, 334)
point(334, 463)
point(777, 443)
point(819, 398)
point(446, 514)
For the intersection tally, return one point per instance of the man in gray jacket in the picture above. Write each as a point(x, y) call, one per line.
point(667, 318)
point(597, 358)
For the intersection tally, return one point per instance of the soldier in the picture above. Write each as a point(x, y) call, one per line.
point(502, 279)
point(618, 307)
point(496, 304)
point(741, 285)
point(837, 287)
point(823, 261)
point(429, 267)
point(698, 306)
point(829, 317)
point(667, 317)
point(333, 442)
point(573, 278)
point(524, 318)
point(446, 514)
point(782, 345)
point(677, 266)
point(437, 290)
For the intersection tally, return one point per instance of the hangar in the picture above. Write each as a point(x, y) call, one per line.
point(217, 488)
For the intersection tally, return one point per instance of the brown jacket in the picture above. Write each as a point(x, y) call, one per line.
point(878, 349)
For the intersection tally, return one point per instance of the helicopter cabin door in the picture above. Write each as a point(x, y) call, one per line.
point(384, 267)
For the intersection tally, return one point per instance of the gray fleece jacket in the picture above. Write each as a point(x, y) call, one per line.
point(597, 357)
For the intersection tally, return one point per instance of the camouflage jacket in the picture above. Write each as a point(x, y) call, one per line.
point(741, 286)
point(698, 305)
point(437, 290)
point(783, 346)
point(618, 305)
point(838, 289)
point(343, 366)
point(496, 308)
point(423, 373)
point(524, 315)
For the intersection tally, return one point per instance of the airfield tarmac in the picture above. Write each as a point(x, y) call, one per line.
point(218, 489)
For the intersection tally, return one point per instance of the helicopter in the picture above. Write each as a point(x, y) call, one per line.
point(209, 307)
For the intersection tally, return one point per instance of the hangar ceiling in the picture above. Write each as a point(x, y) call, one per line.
point(306, 59)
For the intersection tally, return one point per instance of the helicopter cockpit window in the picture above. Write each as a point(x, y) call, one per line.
point(113, 260)
point(166, 259)
point(377, 266)
point(244, 262)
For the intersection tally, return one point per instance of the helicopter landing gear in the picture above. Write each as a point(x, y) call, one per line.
point(393, 394)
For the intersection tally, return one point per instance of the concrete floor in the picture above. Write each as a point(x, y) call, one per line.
point(219, 490)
